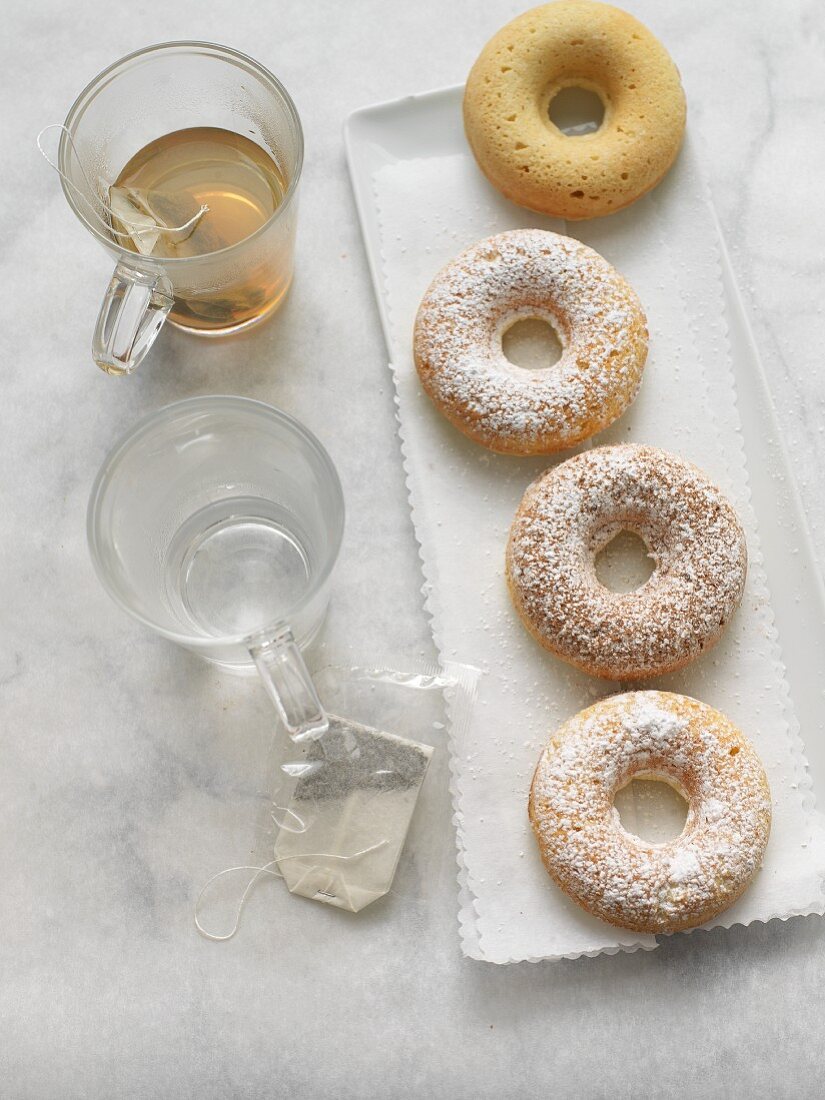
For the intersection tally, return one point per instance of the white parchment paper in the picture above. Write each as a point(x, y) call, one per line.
point(463, 500)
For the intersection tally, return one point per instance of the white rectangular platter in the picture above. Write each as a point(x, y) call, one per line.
point(421, 200)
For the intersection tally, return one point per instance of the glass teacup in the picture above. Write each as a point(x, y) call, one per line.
point(217, 522)
point(158, 91)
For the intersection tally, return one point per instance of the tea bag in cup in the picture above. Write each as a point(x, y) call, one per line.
point(347, 807)
point(156, 222)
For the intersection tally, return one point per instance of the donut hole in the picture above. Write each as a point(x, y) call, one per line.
point(576, 111)
point(624, 563)
point(652, 808)
point(531, 343)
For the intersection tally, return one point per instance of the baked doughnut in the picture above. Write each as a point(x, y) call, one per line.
point(617, 876)
point(530, 273)
point(581, 44)
point(691, 532)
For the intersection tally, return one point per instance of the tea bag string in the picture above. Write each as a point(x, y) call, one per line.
point(259, 871)
point(267, 869)
point(136, 230)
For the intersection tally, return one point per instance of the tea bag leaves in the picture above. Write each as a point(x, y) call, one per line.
point(352, 799)
point(156, 221)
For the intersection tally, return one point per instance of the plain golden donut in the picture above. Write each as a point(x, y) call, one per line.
point(574, 43)
point(530, 273)
point(619, 877)
point(691, 532)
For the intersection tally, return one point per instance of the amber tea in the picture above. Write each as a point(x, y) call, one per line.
point(193, 193)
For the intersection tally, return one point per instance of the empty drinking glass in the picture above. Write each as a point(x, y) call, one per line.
point(217, 522)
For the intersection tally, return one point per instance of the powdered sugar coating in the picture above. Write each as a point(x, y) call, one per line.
point(617, 876)
point(692, 534)
point(530, 273)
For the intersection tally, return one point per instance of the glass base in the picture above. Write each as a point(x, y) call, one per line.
point(231, 329)
point(236, 566)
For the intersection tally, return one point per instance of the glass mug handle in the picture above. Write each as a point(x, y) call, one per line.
point(132, 314)
point(288, 683)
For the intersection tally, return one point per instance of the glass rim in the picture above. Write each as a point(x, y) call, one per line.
point(105, 477)
point(96, 83)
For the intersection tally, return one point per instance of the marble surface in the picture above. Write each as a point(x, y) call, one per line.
point(127, 769)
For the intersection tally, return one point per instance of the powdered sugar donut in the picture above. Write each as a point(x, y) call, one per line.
point(691, 532)
point(617, 876)
point(530, 273)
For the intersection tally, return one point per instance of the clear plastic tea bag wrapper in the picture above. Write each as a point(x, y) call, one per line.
point(345, 802)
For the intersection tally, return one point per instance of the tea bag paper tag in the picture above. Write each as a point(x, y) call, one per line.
point(350, 808)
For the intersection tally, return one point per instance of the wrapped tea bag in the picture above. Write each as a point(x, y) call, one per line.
point(156, 222)
point(336, 812)
point(349, 806)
